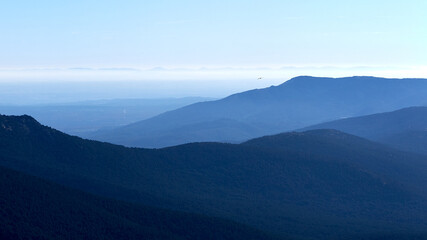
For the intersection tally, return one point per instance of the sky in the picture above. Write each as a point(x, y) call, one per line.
point(203, 41)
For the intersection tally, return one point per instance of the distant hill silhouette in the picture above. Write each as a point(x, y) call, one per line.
point(297, 103)
point(321, 184)
point(405, 129)
point(32, 208)
point(78, 118)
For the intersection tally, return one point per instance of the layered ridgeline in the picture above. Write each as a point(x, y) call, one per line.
point(77, 118)
point(297, 103)
point(320, 184)
point(405, 129)
point(32, 208)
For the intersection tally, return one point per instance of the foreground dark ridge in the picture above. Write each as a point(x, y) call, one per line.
point(297, 103)
point(32, 208)
point(294, 184)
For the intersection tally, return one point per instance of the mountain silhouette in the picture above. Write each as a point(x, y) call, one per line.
point(405, 129)
point(297, 103)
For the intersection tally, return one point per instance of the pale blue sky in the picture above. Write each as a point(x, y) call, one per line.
point(68, 50)
point(145, 34)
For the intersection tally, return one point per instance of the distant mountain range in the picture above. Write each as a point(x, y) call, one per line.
point(404, 129)
point(297, 103)
point(321, 184)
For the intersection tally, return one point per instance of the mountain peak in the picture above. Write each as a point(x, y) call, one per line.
point(20, 118)
point(21, 124)
point(311, 79)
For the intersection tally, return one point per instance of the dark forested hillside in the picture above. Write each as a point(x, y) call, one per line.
point(31, 208)
point(297, 103)
point(405, 129)
point(313, 185)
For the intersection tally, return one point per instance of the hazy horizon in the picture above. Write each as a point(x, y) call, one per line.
point(85, 50)
point(189, 48)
